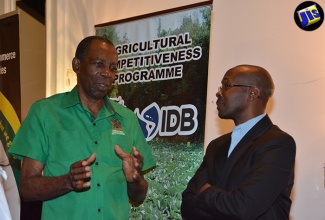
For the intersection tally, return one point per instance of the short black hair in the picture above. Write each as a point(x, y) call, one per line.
point(84, 45)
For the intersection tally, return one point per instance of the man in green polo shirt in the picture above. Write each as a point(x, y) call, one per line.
point(83, 154)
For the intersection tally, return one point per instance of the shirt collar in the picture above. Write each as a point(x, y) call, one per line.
point(72, 99)
point(243, 128)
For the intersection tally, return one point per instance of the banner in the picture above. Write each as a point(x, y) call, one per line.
point(162, 77)
point(10, 99)
point(10, 107)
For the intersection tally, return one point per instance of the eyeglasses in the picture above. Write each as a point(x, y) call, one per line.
point(227, 86)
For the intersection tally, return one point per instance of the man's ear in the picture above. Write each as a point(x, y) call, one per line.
point(75, 64)
point(254, 93)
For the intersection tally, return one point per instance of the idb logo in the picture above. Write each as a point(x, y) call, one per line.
point(167, 120)
point(309, 16)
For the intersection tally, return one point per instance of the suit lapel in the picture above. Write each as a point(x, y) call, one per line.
point(220, 157)
point(257, 130)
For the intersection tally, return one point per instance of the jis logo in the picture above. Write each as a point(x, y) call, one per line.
point(309, 16)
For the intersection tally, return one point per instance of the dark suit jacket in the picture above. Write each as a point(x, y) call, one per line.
point(255, 182)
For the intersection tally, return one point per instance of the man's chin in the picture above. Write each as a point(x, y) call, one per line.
point(223, 116)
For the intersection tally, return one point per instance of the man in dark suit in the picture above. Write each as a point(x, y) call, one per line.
point(247, 174)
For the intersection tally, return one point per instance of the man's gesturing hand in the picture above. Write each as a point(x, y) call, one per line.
point(80, 172)
point(131, 164)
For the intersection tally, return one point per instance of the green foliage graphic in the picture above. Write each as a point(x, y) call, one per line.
point(176, 164)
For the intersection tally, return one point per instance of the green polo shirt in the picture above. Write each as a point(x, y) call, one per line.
point(59, 131)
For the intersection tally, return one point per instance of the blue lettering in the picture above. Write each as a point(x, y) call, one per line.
point(315, 13)
point(303, 18)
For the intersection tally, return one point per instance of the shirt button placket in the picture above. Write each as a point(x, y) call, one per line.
point(96, 163)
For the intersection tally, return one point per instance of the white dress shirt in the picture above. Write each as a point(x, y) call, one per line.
point(9, 196)
point(239, 131)
point(4, 208)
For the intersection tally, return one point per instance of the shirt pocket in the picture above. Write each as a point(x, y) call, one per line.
point(67, 146)
point(124, 144)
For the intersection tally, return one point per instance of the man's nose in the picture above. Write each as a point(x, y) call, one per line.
point(218, 94)
point(107, 72)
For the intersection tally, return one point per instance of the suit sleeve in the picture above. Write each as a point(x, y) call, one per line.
point(189, 208)
point(270, 173)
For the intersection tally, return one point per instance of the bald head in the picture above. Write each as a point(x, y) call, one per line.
point(244, 93)
point(255, 76)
